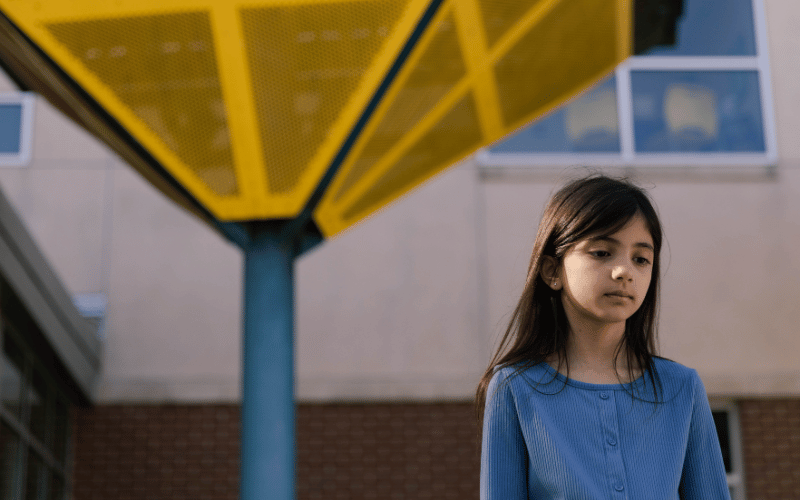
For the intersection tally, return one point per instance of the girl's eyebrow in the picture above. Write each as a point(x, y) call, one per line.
point(614, 241)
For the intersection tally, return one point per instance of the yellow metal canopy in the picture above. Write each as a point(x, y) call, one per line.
point(249, 104)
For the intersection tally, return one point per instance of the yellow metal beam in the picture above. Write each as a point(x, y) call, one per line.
point(249, 164)
point(472, 38)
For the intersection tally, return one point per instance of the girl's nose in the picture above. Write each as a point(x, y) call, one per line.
point(621, 273)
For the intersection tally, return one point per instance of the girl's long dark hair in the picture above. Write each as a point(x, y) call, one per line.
point(593, 206)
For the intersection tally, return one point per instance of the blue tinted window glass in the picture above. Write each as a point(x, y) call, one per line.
point(686, 111)
point(10, 122)
point(587, 124)
point(713, 28)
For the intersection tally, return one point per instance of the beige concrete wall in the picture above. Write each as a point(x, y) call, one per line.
point(174, 294)
point(386, 310)
point(391, 308)
point(407, 304)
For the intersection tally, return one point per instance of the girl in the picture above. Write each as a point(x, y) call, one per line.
point(575, 403)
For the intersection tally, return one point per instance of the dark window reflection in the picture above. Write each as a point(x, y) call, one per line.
point(35, 478)
point(713, 28)
point(38, 399)
point(9, 458)
point(723, 431)
point(11, 364)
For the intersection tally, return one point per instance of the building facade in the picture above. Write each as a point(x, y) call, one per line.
point(398, 316)
point(49, 364)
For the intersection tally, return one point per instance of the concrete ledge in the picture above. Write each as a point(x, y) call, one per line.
point(316, 390)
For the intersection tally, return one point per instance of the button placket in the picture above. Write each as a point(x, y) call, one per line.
point(610, 429)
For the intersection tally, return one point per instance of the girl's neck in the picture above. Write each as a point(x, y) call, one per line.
point(596, 356)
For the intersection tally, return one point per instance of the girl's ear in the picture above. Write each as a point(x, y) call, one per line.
point(550, 272)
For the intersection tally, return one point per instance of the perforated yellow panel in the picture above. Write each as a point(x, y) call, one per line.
point(246, 104)
point(483, 69)
point(311, 58)
point(163, 69)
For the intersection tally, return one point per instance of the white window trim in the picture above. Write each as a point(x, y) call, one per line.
point(627, 157)
point(736, 480)
point(765, 79)
point(26, 100)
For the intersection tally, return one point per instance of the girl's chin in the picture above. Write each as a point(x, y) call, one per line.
point(602, 313)
point(618, 315)
point(604, 318)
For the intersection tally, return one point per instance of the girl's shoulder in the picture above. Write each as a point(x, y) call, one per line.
point(524, 377)
point(675, 378)
point(673, 369)
point(503, 375)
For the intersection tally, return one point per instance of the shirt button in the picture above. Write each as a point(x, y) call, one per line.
point(603, 395)
point(619, 487)
point(612, 441)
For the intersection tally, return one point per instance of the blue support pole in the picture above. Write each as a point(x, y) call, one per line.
point(268, 413)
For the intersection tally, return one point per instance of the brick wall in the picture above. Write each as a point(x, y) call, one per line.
point(771, 448)
point(347, 451)
point(351, 451)
point(387, 451)
point(180, 452)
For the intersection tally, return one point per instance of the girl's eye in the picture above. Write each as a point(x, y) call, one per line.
point(641, 261)
point(599, 253)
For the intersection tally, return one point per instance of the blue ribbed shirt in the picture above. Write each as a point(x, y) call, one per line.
point(546, 437)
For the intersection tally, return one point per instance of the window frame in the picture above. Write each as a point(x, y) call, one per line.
point(26, 100)
point(628, 157)
point(20, 425)
point(736, 478)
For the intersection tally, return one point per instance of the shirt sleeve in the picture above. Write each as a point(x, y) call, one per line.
point(504, 457)
point(703, 469)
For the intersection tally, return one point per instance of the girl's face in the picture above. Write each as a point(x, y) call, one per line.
point(605, 279)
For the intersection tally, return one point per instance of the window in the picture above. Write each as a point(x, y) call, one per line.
point(705, 101)
point(16, 124)
point(726, 419)
point(93, 307)
point(34, 414)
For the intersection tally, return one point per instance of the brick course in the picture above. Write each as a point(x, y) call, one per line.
point(771, 448)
